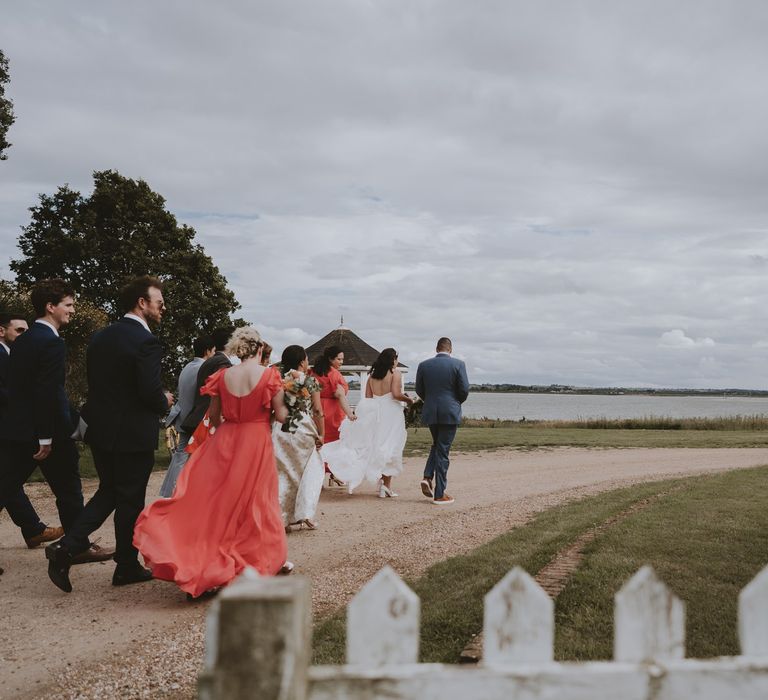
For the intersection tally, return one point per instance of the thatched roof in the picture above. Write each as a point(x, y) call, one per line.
point(357, 353)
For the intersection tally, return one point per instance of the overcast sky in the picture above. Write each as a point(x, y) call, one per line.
point(575, 192)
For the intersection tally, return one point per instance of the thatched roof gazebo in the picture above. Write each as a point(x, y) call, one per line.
point(358, 355)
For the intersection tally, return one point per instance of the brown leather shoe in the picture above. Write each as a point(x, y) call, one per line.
point(444, 500)
point(50, 534)
point(93, 553)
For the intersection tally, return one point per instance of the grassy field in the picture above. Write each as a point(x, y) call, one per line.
point(475, 435)
point(706, 539)
point(495, 435)
point(752, 422)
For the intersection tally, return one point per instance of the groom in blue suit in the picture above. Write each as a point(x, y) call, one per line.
point(442, 384)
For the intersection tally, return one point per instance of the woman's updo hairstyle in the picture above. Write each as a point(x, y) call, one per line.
point(323, 364)
point(383, 363)
point(292, 357)
point(244, 343)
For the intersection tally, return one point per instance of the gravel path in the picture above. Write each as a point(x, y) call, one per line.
point(146, 641)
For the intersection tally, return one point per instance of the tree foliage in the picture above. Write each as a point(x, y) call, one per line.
point(86, 320)
point(6, 107)
point(123, 230)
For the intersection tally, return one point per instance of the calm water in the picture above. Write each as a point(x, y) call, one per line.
point(573, 406)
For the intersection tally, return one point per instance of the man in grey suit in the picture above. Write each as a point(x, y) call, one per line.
point(203, 348)
point(442, 384)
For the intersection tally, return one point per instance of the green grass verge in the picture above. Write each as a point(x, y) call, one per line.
point(479, 435)
point(749, 422)
point(706, 540)
point(531, 436)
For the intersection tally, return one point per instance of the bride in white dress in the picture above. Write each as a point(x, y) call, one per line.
point(371, 448)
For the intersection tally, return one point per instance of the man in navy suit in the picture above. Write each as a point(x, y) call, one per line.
point(125, 402)
point(442, 384)
point(22, 512)
point(39, 420)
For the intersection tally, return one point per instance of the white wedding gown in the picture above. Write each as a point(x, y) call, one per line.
point(370, 447)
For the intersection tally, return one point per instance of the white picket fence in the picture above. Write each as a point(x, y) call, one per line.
point(258, 645)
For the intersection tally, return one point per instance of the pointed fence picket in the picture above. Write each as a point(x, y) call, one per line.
point(383, 623)
point(649, 620)
point(258, 645)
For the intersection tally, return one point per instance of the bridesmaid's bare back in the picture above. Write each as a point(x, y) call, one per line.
point(379, 387)
point(242, 379)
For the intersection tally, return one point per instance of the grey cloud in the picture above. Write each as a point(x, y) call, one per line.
point(556, 185)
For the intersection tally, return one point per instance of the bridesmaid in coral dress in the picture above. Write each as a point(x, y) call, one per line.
point(224, 514)
point(333, 395)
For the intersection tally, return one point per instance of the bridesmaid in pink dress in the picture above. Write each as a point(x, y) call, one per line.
point(225, 513)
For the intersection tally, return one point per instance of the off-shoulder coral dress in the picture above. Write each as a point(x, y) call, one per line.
point(224, 514)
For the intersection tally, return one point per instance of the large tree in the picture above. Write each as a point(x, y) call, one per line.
point(6, 107)
point(123, 230)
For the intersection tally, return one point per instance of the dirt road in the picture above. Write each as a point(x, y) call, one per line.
point(146, 640)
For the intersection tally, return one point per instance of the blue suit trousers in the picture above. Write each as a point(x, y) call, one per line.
point(438, 461)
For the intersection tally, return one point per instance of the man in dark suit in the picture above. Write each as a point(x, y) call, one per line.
point(442, 383)
point(22, 512)
point(213, 364)
point(125, 402)
point(39, 420)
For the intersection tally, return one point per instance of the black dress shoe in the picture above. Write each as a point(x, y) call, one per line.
point(133, 574)
point(59, 561)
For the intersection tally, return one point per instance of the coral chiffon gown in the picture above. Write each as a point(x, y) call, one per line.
point(334, 413)
point(224, 514)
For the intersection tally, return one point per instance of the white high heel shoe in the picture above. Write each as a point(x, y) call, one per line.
point(386, 492)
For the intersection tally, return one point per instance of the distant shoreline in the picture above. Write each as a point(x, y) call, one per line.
point(608, 391)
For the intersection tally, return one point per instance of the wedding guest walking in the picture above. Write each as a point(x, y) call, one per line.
point(22, 512)
point(219, 360)
point(442, 384)
point(296, 442)
point(125, 402)
point(333, 394)
point(371, 448)
point(39, 420)
point(224, 514)
point(203, 348)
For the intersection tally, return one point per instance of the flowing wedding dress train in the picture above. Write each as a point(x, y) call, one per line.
point(370, 447)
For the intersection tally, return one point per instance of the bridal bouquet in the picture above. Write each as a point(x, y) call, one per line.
point(298, 388)
point(413, 414)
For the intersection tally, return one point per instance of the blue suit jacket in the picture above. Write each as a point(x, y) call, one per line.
point(37, 403)
point(125, 389)
point(442, 383)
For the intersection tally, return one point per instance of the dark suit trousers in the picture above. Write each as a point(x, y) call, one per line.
point(123, 478)
point(437, 462)
point(24, 515)
point(60, 470)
